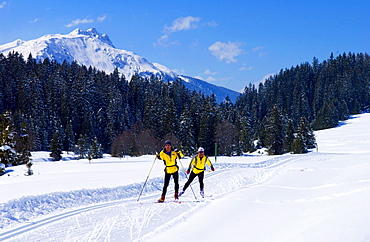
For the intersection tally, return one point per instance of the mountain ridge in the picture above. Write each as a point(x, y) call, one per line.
point(91, 48)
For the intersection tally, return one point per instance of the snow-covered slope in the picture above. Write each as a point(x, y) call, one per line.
point(208, 88)
point(91, 48)
point(320, 196)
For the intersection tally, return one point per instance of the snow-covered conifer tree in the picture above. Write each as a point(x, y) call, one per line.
point(8, 154)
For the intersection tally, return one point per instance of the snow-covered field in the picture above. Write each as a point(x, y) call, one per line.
point(320, 196)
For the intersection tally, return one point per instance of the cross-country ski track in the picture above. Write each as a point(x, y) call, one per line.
point(319, 196)
point(132, 220)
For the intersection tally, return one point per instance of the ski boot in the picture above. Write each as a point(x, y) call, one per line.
point(182, 192)
point(202, 193)
point(161, 200)
point(176, 196)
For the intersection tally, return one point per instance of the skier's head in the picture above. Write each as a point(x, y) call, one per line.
point(168, 145)
point(168, 142)
point(201, 151)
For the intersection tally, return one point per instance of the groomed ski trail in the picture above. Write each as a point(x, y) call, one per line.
point(127, 219)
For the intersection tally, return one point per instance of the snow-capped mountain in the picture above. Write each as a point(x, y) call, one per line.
point(91, 48)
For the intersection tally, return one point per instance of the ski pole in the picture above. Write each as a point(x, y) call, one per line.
point(147, 178)
point(187, 178)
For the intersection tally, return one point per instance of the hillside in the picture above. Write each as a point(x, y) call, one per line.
point(320, 196)
point(91, 48)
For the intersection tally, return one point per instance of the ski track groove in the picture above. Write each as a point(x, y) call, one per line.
point(136, 219)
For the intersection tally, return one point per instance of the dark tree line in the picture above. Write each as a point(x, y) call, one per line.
point(68, 107)
point(321, 93)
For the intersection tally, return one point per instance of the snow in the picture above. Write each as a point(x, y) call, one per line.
point(91, 48)
point(320, 196)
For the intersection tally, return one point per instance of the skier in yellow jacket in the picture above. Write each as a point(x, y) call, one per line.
point(197, 167)
point(169, 157)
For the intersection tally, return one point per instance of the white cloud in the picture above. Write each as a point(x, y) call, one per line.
point(2, 4)
point(79, 21)
point(257, 48)
point(245, 67)
point(260, 50)
point(208, 72)
point(35, 20)
point(86, 21)
point(208, 76)
point(102, 18)
point(163, 41)
point(211, 79)
point(226, 51)
point(183, 23)
point(179, 71)
point(179, 24)
point(212, 24)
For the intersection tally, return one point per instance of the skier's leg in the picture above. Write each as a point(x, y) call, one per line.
point(176, 181)
point(201, 183)
point(191, 178)
point(166, 183)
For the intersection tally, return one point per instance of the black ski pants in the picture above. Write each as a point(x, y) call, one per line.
point(167, 178)
point(191, 178)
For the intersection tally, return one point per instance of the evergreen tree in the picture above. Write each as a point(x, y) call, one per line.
point(95, 151)
point(186, 132)
point(8, 154)
point(76, 100)
point(275, 131)
point(56, 147)
point(207, 124)
point(23, 146)
point(69, 142)
point(170, 119)
point(246, 134)
point(289, 136)
point(298, 146)
point(305, 130)
point(304, 138)
point(82, 147)
point(327, 117)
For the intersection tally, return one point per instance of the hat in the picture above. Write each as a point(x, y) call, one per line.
point(201, 149)
point(168, 142)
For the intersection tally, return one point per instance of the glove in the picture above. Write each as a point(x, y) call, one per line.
point(188, 171)
point(213, 169)
point(158, 157)
point(179, 154)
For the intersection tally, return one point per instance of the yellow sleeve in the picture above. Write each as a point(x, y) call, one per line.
point(161, 155)
point(192, 163)
point(180, 155)
point(208, 162)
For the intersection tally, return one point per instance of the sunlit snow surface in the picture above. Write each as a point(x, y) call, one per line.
point(320, 196)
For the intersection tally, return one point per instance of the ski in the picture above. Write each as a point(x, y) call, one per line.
point(172, 201)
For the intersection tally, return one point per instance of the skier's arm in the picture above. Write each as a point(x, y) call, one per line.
point(179, 154)
point(190, 165)
point(209, 163)
point(159, 156)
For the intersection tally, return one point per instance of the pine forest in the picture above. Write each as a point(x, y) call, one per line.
point(47, 106)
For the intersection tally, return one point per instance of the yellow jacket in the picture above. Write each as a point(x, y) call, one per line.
point(170, 160)
point(199, 164)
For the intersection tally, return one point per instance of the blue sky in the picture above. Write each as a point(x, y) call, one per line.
point(228, 43)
